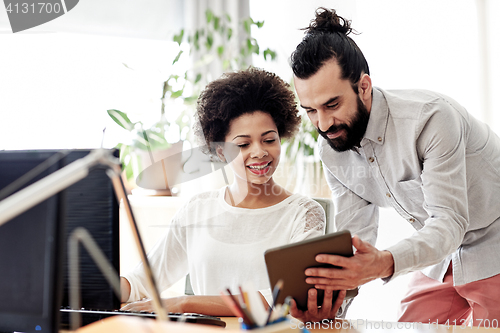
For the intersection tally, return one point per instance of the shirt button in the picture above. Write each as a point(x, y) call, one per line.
point(388, 194)
point(411, 220)
point(379, 139)
point(371, 159)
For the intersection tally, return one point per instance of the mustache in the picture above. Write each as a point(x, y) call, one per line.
point(333, 129)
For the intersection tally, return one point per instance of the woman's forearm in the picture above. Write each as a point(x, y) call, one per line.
point(209, 305)
point(125, 289)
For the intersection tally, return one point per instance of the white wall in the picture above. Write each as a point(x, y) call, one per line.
point(408, 44)
point(56, 87)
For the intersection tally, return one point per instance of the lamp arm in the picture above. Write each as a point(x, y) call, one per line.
point(81, 235)
point(32, 195)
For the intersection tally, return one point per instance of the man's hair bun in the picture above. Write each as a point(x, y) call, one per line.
point(327, 21)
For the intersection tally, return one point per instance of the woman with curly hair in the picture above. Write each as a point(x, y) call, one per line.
point(219, 237)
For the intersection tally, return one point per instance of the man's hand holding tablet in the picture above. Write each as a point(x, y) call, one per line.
point(290, 262)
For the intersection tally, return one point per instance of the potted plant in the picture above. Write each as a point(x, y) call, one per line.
point(213, 44)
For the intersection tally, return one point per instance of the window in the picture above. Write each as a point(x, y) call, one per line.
point(56, 87)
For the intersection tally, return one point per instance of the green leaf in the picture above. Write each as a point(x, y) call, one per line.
point(246, 26)
point(190, 99)
point(228, 17)
point(259, 24)
point(198, 78)
point(173, 77)
point(220, 51)
point(229, 33)
point(249, 45)
point(124, 151)
point(176, 94)
point(121, 119)
point(177, 57)
point(154, 138)
point(209, 15)
point(129, 171)
point(256, 48)
point(216, 23)
point(210, 41)
point(178, 38)
point(270, 53)
point(196, 40)
point(252, 46)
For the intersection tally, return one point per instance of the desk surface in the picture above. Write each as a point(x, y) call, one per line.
point(125, 324)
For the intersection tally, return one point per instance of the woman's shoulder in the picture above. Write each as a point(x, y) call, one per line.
point(305, 201)
point(203, 197)
point(206, 195)
point(198, 202)
point(313, 217)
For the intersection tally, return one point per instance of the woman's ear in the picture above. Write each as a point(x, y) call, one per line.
point(220, 153)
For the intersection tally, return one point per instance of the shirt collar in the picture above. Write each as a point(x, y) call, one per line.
point(377, 124)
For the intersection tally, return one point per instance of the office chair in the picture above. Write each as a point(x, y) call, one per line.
point(327, 205)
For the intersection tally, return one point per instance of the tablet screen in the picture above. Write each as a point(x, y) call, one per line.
point(289, 262)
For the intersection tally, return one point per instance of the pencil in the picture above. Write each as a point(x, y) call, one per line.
point(243, 313)
point(276, 291)
point(230, 303)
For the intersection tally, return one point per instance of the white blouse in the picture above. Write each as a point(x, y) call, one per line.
point(222, 246)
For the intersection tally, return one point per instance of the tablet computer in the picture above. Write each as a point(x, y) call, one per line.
point(289, 262)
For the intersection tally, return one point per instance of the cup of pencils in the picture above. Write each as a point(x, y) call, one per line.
point(248, 306)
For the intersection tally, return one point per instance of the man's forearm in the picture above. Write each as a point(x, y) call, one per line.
point(387, 264)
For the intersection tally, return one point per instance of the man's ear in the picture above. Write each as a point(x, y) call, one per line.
point(220, 153)
point(365, 89)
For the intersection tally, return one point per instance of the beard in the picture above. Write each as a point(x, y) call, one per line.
point(353, 132)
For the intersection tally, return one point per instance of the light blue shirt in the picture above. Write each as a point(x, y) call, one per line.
point(424, 155)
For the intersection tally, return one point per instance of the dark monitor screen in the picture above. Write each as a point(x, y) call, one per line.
point(91, 203)
point(33, 263)
point(29, 248)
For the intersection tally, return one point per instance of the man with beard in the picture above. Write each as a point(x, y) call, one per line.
point(417, 151)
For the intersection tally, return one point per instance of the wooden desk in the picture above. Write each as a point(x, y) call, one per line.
point(123, 324)
point(361, 326)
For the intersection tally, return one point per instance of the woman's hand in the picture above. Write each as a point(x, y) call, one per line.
point(174, 304)
point(208, 305)
point(315, 314)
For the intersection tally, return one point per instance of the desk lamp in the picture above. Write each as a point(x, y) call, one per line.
point(30, 196)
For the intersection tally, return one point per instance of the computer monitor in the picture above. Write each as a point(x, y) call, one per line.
point(30, 249)
point(89, 203)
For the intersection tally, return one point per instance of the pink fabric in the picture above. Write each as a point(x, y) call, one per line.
point(430, 301)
